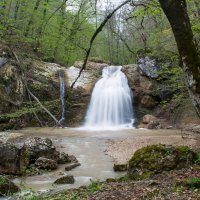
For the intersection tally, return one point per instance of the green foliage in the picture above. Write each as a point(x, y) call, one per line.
point(2, 180)
point(28, 108)
point(194, 182)
point(95, 186)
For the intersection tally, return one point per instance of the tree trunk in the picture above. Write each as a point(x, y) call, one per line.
point(176, 12)
point(31, 18)
point(16, 9)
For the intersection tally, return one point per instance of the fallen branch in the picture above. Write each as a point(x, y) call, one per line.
point(98, 30)
point(44, 108)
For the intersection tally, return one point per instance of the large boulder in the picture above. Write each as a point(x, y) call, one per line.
point(15, 160)
point(154, 159)
point(10, 159)
point(7, 187)
point(35, 147)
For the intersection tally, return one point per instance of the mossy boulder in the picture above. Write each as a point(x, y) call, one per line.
point(154, 159)
point(68, 179)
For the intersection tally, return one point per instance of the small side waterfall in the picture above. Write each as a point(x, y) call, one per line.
point(111, 101)
point(62, 94)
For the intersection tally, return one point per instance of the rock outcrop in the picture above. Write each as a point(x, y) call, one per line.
point(17, 111)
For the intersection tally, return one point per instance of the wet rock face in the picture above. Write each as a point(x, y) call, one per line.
point(35, 147)
point(154, 159)
point(7, 187)
point(45, 163)
point(10, 159)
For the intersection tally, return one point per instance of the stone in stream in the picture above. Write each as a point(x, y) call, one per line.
point(7, 187)
point(45, 163)
point(35, 147)
point(68, 179)
point(71, 166)
point(65, 158)
point(120, 167)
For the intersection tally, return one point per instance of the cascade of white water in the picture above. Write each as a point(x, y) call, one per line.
point(111, 101)
point(62, 94)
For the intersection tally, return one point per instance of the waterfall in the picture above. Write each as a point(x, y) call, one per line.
point(62, 94)
point(111, 101)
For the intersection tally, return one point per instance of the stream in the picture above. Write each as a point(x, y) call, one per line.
point(90, 149)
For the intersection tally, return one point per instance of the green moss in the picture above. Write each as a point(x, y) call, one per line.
point(3, 180)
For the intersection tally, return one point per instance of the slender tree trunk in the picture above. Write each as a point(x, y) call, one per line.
point(60, 30)
point(9, 8)
point(197, 5)
point(16, 9)
point(176, 12)
point(31, 18)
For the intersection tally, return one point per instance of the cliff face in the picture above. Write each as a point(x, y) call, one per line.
point(18, 110)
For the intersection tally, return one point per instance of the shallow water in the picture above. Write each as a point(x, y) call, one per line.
point(88, 147)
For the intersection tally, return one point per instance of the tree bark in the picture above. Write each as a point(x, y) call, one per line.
point(176, 12)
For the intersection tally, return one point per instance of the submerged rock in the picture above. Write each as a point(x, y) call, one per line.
point(72, 166)
point(7, 187)
point(68, 179)
point(65, 158)
point(45, 163)
point(157, 158)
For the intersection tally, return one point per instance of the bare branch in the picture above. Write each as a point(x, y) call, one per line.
point(98, 30)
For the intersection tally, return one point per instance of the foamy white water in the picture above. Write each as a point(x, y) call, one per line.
point(111, 102)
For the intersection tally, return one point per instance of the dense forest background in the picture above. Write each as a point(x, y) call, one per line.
point(60, 31)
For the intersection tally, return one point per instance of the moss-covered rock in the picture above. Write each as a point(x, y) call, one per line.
point(7, 187)
point(154, 159)
point(68, 179)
